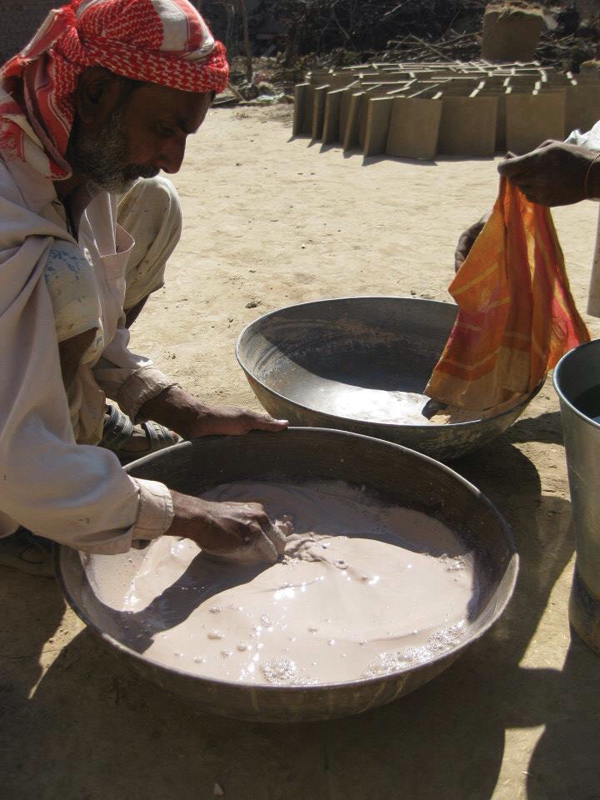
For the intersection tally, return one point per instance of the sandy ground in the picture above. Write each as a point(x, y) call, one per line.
point(277, 222)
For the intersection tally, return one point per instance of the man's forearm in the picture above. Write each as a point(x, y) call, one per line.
point(177, 409)
point(189, 417)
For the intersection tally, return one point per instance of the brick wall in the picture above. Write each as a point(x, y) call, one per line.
point(20, 20)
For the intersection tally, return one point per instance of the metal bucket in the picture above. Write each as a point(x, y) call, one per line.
point(576, 373)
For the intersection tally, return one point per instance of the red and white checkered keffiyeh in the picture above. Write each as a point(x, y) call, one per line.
point(156, 41)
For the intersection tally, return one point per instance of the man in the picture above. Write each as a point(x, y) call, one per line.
point(105, 95)
point(555, 174)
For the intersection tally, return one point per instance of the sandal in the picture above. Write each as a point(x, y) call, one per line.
point(118, 430)
point(28, 553)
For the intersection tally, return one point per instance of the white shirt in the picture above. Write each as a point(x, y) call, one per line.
point(72, 493)
point(591, 140)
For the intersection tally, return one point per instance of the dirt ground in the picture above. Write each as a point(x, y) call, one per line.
point(269, 221)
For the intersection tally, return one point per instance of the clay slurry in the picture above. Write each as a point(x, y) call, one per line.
point(362, 590)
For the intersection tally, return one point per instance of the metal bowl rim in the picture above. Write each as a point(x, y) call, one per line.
point(559, 392)
point(383, 426)
point(513, 564)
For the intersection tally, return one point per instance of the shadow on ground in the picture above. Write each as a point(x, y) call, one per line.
point(93, 731)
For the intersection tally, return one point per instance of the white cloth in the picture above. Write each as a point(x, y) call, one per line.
point(72, 493)
point(591, 140)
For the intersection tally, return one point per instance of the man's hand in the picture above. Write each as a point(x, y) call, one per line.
point(466, 242)
point(554, 174)
point(235, 421)
point(187, 416)
point(218, 527)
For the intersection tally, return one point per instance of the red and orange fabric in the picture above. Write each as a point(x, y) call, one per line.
point(516, 315)
point(156, 41)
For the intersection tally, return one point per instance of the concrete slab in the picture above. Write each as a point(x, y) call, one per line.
point(532, 118)
point(499, 92)
point(300, 100)
point(363, 115)
point(319, 97)
point(344, 108)
point(378, 124)
point(414, 128)
point(468, 126)
point(331, 121)
point(307, 115)
point(350, 136)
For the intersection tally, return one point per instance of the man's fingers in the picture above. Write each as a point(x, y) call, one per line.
point(525, 184)
point(263, 422)
point(467, 240)
point(547, 143)
point(513, 166)
point(462, 251)
point(252, 530)
point(276, 536)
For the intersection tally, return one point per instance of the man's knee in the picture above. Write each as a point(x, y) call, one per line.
point(151, 213)
point(156, 198)
point(163, 188)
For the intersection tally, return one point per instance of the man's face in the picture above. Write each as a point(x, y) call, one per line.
point(141, 133)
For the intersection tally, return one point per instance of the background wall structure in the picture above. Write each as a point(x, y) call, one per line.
point(20, 19)
point(588, 9)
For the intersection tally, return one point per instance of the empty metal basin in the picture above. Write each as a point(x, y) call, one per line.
point(361, 364)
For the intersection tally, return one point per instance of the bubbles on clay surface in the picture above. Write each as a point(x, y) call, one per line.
point(216, 635)
point(454, 563)
point(279, 670)
point(437, 644)
point(284, 672)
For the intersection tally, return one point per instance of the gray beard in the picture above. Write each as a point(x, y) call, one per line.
point(100, 158)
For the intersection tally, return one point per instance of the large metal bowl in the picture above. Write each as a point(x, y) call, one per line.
point(308, 361)
point(396, 474)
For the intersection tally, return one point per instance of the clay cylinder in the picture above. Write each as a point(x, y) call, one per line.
point(511, 34)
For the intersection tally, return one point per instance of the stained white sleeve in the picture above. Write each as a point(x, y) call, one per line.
point(128, 378)
point(75, 494)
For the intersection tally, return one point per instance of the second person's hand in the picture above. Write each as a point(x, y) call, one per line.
point(554, 174)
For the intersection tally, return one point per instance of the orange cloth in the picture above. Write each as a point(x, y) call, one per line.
point(516, 314)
